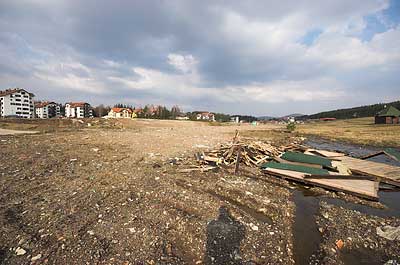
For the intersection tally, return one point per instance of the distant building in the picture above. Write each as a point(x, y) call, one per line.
point(389, 115)
point(120, 113)
point(78, 110)
point(182, 117)
point(46, 110)
point(235, 119)
point(17, 103)
point(205, 116)
point(327, 119)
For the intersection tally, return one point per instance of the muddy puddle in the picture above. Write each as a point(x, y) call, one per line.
point(351, 149)
point(307, 238)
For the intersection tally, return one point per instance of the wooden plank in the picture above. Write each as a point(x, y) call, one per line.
point(372, 155)
point(339, 177)
point(359, 187)
point(328, 154)
point(383, 172)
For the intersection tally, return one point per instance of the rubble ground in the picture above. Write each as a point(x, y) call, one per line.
point(111, 196)
point(114, 193)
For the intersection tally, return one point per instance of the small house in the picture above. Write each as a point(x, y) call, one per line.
point(389, 115)
point(205, 116)
point(120, 113)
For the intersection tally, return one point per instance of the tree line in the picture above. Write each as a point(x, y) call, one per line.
point(162, 112)
point(356, 112)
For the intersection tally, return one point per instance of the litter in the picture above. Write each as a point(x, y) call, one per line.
point(389, 232)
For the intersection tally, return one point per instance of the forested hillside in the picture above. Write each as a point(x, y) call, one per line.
point(363, 111)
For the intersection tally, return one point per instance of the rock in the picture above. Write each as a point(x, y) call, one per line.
point(20, 251)
point(254, 227)
point(90, 232)
point(39, 256)
point(325, 215)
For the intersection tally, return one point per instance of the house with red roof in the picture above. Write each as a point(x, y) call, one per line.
point(121, 113)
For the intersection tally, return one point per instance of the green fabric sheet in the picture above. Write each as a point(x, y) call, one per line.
point(393, 152)
point(308, 159)
point(297, 168)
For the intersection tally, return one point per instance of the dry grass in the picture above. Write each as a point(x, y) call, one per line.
point(360, 131)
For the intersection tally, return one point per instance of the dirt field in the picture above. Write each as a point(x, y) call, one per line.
point(112, 193)
point(111, 196)
point(360, 131)
point(12, 132)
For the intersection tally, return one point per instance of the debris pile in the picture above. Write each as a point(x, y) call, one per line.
point(250, 153)
point(247, 152)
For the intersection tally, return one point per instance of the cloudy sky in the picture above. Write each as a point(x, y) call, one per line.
point(247, 57)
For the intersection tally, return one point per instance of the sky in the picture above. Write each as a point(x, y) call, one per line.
point(237, 57)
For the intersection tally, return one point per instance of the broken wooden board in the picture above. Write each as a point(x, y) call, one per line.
point(383, 172)
point(359, 187)
point(324, 153)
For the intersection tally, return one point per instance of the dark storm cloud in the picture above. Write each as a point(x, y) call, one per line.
point(213, 54)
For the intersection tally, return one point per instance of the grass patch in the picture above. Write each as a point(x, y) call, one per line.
point(359, 131)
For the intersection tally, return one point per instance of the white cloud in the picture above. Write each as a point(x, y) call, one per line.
point(184, 63)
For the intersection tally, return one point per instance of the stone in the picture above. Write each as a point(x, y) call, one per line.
point(38, 256)
point(20, 251)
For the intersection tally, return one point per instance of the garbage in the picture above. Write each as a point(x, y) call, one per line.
point(339, 244)
point(389, 232)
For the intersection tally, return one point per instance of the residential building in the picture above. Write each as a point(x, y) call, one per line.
point(17, 103)
point(121, 113)
point(235, 119)
point(78, 110)
point(389, 115)
point(205, 116)
point(46, 109)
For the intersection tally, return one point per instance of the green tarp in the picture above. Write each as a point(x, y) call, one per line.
point(393, 153)
point(308, 159)
point(297, 168)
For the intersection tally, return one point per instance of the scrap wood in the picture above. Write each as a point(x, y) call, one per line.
point(251, 153)
point(390, 152)
point(359, 187)
point(202, 169)
point(334, 176)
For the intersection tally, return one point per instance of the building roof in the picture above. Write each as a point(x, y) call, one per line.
point(389, 111)
point(117, 110)
point(12, 91)
point(43, 104)
point(77, 104)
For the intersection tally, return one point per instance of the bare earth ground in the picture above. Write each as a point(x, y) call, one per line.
point(112, 193)
point(359, 131)
point(109, 196)
point(11, 132)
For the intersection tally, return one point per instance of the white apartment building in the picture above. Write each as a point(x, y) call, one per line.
point(16, 102)
point(78, 110)
point(45, 110)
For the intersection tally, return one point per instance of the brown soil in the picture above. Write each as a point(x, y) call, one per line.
point(110, 196)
